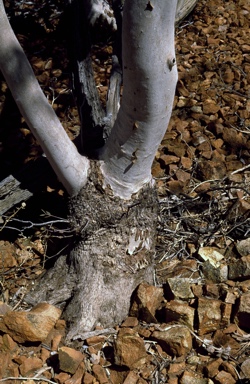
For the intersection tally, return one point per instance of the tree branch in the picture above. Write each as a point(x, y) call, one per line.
point(70, 167)
point(149, 78)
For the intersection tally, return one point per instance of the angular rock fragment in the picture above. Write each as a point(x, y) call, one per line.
point(30, 365)
point(129, 349)
point(209, 315)
point(7, 343)
point(69, 359)
point(224, 378)
point(32, 326)
point(240, 268)
point(78, 376)
point(212, 368)
point(179, 311)
point(132, 378)
point(215, 274)
point(175, 340)
point(147, 299)
point(100, 374)
point(178, 288)
point(88, 378)
point(212, 255)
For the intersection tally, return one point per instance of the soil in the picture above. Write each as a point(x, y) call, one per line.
point(202, 171)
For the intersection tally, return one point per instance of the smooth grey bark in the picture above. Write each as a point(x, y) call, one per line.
point(114, 215)
point(70, 167)
point(149, 78)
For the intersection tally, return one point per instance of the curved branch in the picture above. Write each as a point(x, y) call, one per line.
point(70, 167)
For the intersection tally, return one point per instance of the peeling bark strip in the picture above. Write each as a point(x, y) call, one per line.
point(149, 87)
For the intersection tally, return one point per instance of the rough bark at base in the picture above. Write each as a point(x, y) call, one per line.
point(112, 255)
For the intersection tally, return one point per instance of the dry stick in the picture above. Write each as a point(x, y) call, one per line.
point(86, 335)
point(28, 378)
point(241, 169)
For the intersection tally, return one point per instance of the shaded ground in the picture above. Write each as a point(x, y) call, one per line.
point(202, 170)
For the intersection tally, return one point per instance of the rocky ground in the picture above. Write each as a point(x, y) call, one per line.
point(193, 325)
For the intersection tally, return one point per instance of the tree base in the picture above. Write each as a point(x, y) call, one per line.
point(112, 254)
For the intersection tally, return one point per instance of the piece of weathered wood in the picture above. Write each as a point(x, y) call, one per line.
point(11, 193)
point(30, 179)
point(184, 7)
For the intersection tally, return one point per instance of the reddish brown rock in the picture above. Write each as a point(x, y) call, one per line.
point(129, 349)
point(7, 252)
point(224, 378)
point(179, 311)
point(44, 355)
point(97, 341)
point(32, 326)
point(7, 343)
point(226, 311)
point(55, 342)
point(117, 376)
point(173, 380)
point(175, 340)
point(100, 374)
point(30, 365)
point(212, 368)
point(209, 315)
point(61, 377)
point(210, 107)
point(88, 378)
point(7, 367)
point(212, 290)
point(132, 378)
point(212, 169)
point(130, 322)
point(69, 359)
point(146, 300)
point(176, 368)
point(78, 376)
point(230, 368)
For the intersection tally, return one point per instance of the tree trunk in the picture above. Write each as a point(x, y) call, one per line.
point(113, 253)
point(149, 77)
point(115, 214)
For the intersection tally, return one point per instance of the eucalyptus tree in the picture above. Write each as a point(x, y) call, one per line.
point(113, 203)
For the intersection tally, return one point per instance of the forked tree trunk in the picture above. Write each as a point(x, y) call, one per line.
point(115, 214)
point(116, 226)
